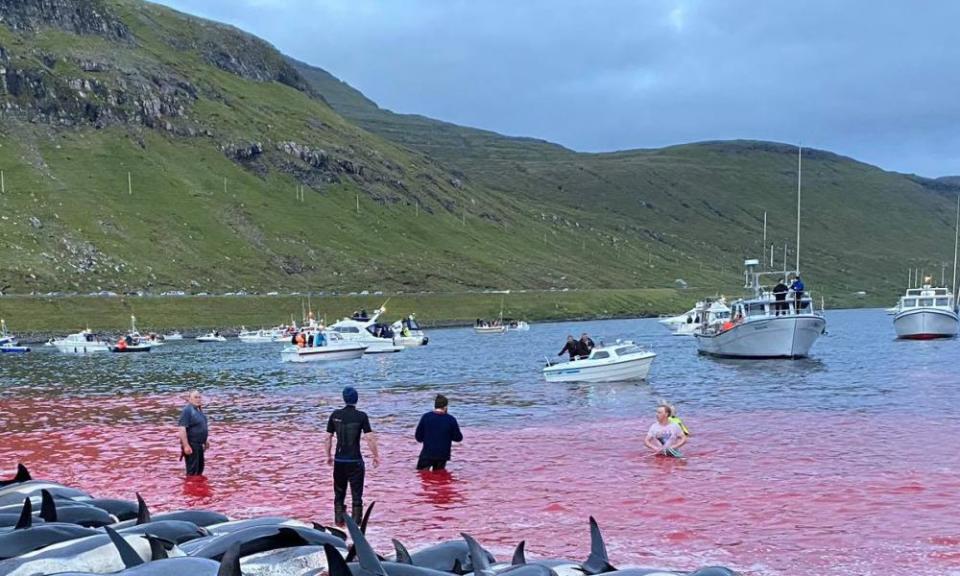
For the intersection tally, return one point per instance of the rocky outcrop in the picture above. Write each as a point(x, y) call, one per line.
point(90, 17)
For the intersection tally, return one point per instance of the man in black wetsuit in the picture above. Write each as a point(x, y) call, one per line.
point(348, 424)
point(572, 347)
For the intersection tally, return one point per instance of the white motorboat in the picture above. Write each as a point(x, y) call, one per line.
point(327, 346)
point(83, 342)
point(261, 336)
point(492, 328)
point(408, 332)
point(8, 342)
point(926, 313)
point(214, 336)
point(175, 335)
point(685, 324)
point(132, 341)
point(762, 326)
point(607, 363)
point(379, 338)
point(517, 326)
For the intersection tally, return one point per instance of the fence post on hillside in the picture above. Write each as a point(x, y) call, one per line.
point(358, 203)
point(129, 184)
point(3, 184)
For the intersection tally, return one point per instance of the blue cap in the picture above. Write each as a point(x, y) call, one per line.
point(350, 395)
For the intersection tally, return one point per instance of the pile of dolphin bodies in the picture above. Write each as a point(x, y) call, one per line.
point(49, 528)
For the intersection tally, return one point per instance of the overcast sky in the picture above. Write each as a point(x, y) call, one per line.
point(877, 80)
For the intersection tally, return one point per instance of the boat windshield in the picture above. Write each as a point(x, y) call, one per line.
point(600, 354)
point(624, 350)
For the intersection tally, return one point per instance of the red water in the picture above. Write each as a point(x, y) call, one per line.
point(826, 493)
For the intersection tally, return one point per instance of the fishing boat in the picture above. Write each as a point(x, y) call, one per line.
point(495, 327)
point(8, 342)
point(926, 313)
point(326, 347)
point(408, 333)
point(686, 324)
point(617, 362)
point(132, 341)
point(214, 336)
point(379, 338)
point(83, 342)
point(761, 326)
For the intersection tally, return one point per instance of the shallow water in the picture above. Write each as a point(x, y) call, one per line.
point(842, 464)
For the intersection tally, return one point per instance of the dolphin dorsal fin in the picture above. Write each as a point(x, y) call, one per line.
point(48, 508)
point(336, 565)
point(157, 549)
point(127, 553)
point(403, 556)
point(143, 513)
point(338, 533)
point(366, 518)
point(365, 554)
point(597, 562)
point(481, 566)
point(26, 516)
point(23, 475)
point(518, 556)
point(230, 563)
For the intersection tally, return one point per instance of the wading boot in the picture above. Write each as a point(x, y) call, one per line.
point(339, 511)
point(357, 513)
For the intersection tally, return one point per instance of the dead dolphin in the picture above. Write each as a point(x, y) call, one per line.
point(257, 539)
point(21, 476)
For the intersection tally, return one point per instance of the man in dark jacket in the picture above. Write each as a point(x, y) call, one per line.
point(798, 288)
point(586, 345)
point(780, 294)
point(436, 431)
point(347, 424)
point(192, 431)
point(572, 347)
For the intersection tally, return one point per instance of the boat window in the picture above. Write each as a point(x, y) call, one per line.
point(626, 350)
point(349, 329)
point(926, 302)
point(913, 292)
point(940, 292)
point(909, 302)
point(943, 301)
point(757, 309)
point(599, 355)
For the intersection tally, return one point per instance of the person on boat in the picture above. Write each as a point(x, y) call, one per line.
point(348, 424)
point(193, 433)
point(676, 420)
point(320, 340)
point(664, 437)
point(586, 344)
point(122, 344)
point(572, 347)
point(300, 340)
point(436, 431)
point(797, 287)
point(310, 341)
point(780, 295)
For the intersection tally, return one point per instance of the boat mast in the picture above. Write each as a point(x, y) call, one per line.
point(764, 260)
point(799, 177)
point(956, 243)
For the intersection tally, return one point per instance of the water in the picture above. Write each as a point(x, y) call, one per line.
point(838, 465)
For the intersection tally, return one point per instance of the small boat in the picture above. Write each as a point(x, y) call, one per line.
point(617, 362)
point(379, 338)
point(132, 341)
point(261, 336)
point(926, 313)
point(83, 342)
point(211, 337)
point(517, 326)
point(490, 328)
point(326, 347)
point(175, 335)
point(408, 333)
point(685, 324)
point(8, 342)
point(892, 311)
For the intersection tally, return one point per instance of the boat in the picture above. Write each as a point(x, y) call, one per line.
point(379, 338)
point(685, 324)
point(495, 327)
point(132, 341)
point(893, 310)
point(331, 347)
point(260, 336)
point(8, 342)
point(621, 361)
point(408, 333)
point(83, 342)
point(175, 335)
point(211, 337)
point(517, 326)
point(926, 313)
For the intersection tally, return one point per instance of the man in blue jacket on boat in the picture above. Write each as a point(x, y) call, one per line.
point(437, 430)
point(797, 287)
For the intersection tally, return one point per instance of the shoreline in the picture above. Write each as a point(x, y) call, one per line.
point(34, 319)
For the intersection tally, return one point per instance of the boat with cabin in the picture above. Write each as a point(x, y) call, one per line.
point(83, 342)
point(261, 336)
point(926, 313)
point(517, 325)
point(133, 341)
point(214, 336)
point(685, 324)
point(618, 362)
point(379, 338)
point(8, 342)
point(408, 333)
point(322, 347)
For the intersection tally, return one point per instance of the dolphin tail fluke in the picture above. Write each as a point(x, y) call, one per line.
point(127, 553)
point(597, 562)
point(143, 513)
point(26, 516)
point(518, 556)
point(48, 508)
point(336, 565)
point(230, 563)
point(481, 566)
point(367, 557)
point(403, 556)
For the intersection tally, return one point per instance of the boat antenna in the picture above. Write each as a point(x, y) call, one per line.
point(956, 244)
point(799, 178)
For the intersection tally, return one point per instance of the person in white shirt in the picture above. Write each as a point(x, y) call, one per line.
point(664, 436)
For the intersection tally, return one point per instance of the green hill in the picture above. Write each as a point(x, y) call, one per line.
point(144, 149)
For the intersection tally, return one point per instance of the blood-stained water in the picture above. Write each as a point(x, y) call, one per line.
point(842, 465)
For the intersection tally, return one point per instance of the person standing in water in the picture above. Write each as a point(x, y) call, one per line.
point(348, 424)
point(193, 433)
point(436, 431)
point(665, 437)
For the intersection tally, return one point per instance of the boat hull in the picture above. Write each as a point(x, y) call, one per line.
point(13, 349)
point(259, 339)
point(129, 349)
point(777, 337)
point(926, 324)
point(321, 353)
point(626, 368)
point(489, 329)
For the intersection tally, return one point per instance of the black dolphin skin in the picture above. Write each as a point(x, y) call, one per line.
point(23, 475)
point(264, 538)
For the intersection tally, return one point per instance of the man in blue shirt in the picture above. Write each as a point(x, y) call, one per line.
point(348, 424)
point(192, 431)
point(436, 431)
point(797, 287)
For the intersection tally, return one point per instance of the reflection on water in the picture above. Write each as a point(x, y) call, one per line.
point(793, 467)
